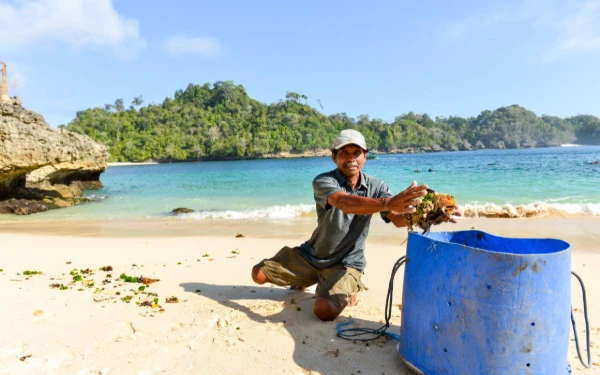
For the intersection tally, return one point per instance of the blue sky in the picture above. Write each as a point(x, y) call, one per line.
point(381, 58)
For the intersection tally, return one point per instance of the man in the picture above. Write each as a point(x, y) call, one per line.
point(334, 257)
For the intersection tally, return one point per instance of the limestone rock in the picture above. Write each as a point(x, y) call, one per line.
point(50, 167)
point(182, 210)
point(465, 146)
point(22, 207)
point(547, 144)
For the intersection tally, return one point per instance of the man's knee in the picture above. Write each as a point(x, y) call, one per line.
point(326, 310)
point(258, 276)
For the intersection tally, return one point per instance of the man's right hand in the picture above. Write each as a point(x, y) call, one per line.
point(406, 201)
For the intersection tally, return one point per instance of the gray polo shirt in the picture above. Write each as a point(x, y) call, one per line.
point(339, 237)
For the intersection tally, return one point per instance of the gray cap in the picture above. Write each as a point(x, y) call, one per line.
point(349, 137)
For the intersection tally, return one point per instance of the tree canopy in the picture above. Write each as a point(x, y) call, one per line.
point(220, 121)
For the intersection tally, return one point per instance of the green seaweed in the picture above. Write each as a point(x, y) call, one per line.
point(29, 273)
point(129, 279)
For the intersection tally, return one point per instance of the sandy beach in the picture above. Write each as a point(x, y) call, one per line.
point(222, 323)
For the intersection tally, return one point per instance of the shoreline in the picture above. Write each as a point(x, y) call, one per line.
point(327, 153)
point(127, 163)
point(298, 229)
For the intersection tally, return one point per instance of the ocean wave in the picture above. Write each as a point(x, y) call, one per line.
point(96, 198)
point(492, 210)
point(274, 212)
point(540, 209)
point(575, 197)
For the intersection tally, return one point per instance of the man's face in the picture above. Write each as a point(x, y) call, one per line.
point(350, 160)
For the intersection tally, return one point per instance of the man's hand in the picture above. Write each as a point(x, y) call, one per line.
point(406, 201)
point(399, 220)
point(455, 213)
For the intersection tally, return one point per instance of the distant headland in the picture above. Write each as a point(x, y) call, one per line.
point(221, 122)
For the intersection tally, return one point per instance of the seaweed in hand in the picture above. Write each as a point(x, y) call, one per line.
point(434, 209)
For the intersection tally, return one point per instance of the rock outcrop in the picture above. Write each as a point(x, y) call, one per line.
point(43, 168)
point(182, 210)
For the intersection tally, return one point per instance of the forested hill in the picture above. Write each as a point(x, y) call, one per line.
point(221, 121)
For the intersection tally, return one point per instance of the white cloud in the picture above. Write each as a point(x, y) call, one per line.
point(179, 45)
point(79, 24)
point(475, 23)
point(579, 31)
point(572, 27)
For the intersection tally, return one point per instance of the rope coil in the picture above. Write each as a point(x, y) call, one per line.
point(355, 333)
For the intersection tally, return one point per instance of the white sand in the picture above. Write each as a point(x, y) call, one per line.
point(229, 326)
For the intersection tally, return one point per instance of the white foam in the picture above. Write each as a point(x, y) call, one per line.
point(531, 209)
point(553, 200)
point(273, 212)
point(540, 209)
point(96, 198)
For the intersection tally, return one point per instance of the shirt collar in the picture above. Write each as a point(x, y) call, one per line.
point(362, 181)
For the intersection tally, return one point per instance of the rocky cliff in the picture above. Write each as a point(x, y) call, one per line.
point(43, 168)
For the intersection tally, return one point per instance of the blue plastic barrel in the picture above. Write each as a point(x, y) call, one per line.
point(474, 303)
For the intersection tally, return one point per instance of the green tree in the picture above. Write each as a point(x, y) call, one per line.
point(137, 101)
point(119, 105)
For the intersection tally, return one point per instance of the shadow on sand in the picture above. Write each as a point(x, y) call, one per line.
point(281, 313)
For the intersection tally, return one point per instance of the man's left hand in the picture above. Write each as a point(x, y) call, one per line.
point(455, 213)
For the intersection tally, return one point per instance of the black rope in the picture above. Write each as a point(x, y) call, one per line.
point(587, 327)
point(355, 333)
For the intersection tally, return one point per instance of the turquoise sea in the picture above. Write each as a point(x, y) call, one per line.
point(531, 182)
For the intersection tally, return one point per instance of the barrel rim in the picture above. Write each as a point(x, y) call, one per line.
point(450, 233)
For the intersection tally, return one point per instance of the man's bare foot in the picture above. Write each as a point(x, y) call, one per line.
point(298, 288)
point(352, 300)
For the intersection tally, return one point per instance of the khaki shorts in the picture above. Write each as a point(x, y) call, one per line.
point(289, 268)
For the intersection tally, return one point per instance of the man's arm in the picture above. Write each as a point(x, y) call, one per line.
point(399, 220)
point(401, 203)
